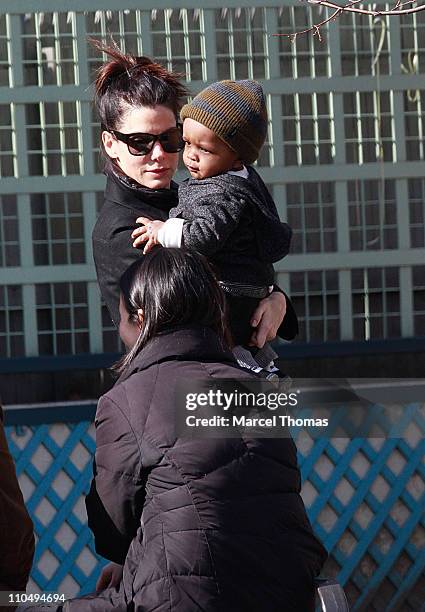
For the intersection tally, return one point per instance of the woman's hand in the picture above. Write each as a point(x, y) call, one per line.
point(147, 233)
point(267, 318)
point(110, 577)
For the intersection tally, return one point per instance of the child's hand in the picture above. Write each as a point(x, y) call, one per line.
point(147, 233)
point(110, 577)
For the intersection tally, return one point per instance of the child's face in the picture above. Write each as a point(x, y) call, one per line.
point(205, 154)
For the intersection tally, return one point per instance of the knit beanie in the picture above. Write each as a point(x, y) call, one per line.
point(236, 112)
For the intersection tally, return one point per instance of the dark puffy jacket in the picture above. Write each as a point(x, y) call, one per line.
point(213, 525)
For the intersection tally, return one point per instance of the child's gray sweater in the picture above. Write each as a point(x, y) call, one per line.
point(234, 222)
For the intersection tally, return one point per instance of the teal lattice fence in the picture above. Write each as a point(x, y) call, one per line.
point(365, 498)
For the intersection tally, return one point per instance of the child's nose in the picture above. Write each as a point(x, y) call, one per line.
point(192, 154)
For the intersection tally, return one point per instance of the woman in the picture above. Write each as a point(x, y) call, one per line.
point(138, 103)
point(213, 524)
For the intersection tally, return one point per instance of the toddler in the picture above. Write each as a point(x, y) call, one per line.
point(225, 210)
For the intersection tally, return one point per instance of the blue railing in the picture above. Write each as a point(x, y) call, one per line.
point(365, 498)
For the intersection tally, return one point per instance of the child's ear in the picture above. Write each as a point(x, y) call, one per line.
point(141, 317)
point(237, 164)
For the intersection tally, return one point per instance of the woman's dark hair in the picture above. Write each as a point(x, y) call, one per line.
point(174, 287)
point(134, 81)
point(130, 81)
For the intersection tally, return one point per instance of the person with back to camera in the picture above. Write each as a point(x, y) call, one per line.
point(225, 211)
point(138, 102)
point(211, 525)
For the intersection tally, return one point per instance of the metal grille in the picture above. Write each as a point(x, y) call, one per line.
point(343, 156)
point(58, 228)
point(311, 214)
point(376, 303)
point(62, 318)
point(11, 321)
point(316, 301)
point(373, 215)
point(418, 281)
point(9, 238)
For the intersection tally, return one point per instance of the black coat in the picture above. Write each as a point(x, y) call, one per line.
point(213, 525)
point(112, 244)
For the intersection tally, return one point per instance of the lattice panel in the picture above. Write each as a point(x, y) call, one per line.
point(54, 464)
point(365, 498)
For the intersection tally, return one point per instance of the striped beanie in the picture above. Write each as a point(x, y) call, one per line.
point(236, 112)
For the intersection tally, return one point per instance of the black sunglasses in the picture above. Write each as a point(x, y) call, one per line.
point(140, 143)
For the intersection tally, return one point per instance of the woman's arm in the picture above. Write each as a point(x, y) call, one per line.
point(115, 501)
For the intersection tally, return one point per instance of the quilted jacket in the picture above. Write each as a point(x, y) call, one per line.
point(212, 525)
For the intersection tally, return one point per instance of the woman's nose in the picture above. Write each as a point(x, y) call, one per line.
point(157, 151)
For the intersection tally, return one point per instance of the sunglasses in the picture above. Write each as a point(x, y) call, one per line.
point(140, 143)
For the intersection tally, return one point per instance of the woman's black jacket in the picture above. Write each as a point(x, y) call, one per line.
point(112, 243)
point(212, 525)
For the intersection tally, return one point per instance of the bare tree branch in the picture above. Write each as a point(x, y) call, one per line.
point(400, 8)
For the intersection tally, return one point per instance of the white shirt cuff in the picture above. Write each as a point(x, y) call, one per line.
point(170, 234)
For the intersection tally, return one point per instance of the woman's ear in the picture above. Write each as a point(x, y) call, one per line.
point(110, 144)
point(141, 317)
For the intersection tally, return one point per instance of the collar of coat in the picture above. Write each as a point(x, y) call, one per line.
point(196, 343)
point(121, 190)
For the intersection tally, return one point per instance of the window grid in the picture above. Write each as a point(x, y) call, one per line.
point(308, 129)
point(9, 229)
point(4, 52)
point(414, 121)
point(418, 290)
point(363, 52)
point(312, 217)
point(417, 212)
point(62, 318)
point(412, 32)
point(241, 43)
point(54, 138)
point(58, 229)
point(315, 296)
point(12, 342)
point(376, 303)
point(372, 215)
point(125, 27)
point(7, 134)
point(369, 127)
point(306, 55)
point(177, 40)
point(49, 50)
